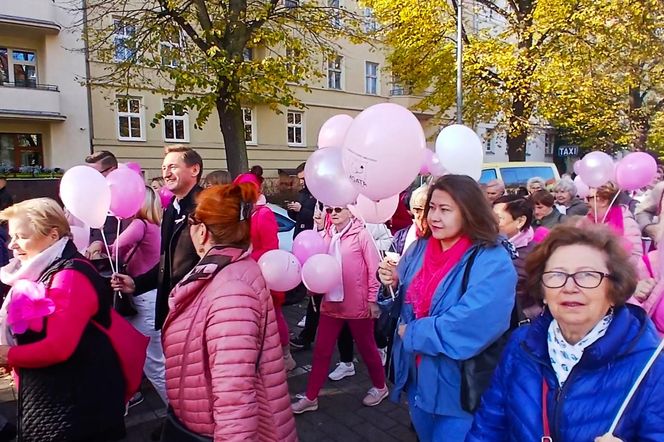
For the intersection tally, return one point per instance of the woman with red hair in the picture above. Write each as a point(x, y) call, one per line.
point(264, 237)
point(225, 375)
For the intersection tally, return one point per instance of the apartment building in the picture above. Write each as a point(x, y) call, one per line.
point(44, 118)
point(354, 79)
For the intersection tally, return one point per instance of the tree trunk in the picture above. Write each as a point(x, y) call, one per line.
point(638, 120)
point(517, 132)
point(232, 129)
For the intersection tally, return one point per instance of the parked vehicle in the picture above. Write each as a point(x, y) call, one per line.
point(286, 226)
point(516, 174)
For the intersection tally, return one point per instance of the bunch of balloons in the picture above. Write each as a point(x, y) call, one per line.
point(632, 172)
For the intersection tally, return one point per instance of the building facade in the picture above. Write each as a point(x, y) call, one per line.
point(44, 112)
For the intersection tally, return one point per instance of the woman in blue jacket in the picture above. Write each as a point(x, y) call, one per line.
point(445, 320)
point(567, 374)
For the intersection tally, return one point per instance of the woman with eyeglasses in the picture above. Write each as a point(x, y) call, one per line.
point(456, 289)
point(567, 374)
point(225, 374)
point(353, 302)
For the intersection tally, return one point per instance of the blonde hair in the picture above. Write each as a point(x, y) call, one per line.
point(44, 214)
point(419, 195)
point(151, 210)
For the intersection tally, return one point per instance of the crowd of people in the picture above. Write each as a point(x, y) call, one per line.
point(494, 316)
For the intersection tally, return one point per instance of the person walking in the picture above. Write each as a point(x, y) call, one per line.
point(565, 376)
point(353, 302)
point(456, 287)
point(224, 368)
point(71, 383)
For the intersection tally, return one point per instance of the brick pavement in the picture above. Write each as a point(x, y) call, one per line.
point(340, 417)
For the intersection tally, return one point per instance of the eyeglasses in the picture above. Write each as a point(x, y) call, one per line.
point(329, 210)
point(587, 279)
point(192, 220)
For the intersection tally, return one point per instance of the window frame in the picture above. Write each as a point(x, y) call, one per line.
point(369, 24)
point(171, 46)
point(336, 18)
point(295, 126)
point(376, 78)
point(172, 117)
point(252, 123)
point(140, 115)
point(340, 71)
point(549, 148)
point(124, 36)
point(11, 76)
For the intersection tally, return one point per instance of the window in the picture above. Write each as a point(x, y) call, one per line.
point(19, 67)
point(369, 23)
point(336, 12)
point(249, 126)
point(371, 78)
point(490, 141)
point(248, 54)
point(130, 119)
point(398, 88)
point(292, 3)
point(122, 33)
point(176, 123)
point(334, 77)
point(549, 143)
point(17, 150)
point(292, 54)
point(170, 50)
point(295, 128)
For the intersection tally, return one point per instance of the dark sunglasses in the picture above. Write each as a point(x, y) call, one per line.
point(192, 220)
point(329, 210)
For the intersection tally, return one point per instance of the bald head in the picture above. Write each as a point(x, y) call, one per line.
point(494, 189)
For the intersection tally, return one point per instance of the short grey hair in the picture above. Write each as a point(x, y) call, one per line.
point(566, 185)
point(536, 180)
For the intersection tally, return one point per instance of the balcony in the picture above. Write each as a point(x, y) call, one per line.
point(403, 95)
point(33, 15)
point(39, 102)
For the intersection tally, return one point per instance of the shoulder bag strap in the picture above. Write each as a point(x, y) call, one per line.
point(466, 272)
point(545, 415)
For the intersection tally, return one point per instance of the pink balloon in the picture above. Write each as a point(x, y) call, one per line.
point(375, 212)
point(596, 169)
point(428, 155)
point(635, 171)
point(383, 150)
point(326, 179)
point(135, 167)
point(436, 167)
point(85, 193)
point(127, 192)
point(333, 131)
point(166, 196)
point(321, 273)
point(308, 243)
point(281, 270)
point(582, 189)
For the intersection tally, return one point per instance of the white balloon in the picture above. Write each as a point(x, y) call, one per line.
point(86, 195)
point(326, 179)
point(460, 151)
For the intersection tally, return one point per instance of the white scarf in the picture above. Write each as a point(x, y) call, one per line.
point(30, 270)
point(337, 294)
point(411, 237)
point(564, 356)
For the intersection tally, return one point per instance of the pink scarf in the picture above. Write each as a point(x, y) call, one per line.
point(435, 266)
point(523, 238)
point(614, 219)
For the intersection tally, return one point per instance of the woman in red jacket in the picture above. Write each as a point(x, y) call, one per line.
point(265, 237)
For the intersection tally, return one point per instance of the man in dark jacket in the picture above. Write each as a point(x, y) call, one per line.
point(302, 210)
point(182, 169)
point(6, 199)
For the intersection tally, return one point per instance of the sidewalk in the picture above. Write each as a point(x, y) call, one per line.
point(340, 417)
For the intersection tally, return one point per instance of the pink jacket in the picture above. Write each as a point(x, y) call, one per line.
point(360, 260)
point(216, 331)
point(264, 231)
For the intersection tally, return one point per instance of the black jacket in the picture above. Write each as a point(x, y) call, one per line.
point(304, 219)
point(6, 199)
point(178, 256)
point(82, 398)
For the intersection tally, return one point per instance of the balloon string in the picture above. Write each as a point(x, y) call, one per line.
point(610, 205)
point(595, 204)
point(117, 245)
point(108, 251)
point(381, 253)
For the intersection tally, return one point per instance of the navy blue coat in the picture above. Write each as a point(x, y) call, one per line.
point(511, 410)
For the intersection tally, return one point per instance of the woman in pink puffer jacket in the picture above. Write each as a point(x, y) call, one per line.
point(225, 375)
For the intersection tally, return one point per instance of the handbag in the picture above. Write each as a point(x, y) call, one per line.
point(174, 431)
point(476, 372)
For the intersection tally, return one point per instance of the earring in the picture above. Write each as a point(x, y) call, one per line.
point(201, 250)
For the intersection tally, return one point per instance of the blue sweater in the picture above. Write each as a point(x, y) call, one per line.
point(456, 329)
point(585, 407)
